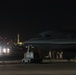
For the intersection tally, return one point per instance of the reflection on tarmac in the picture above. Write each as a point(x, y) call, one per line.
point(38, 69)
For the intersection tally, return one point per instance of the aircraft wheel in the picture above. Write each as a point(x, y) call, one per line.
point(29, 61)
point(23, 61)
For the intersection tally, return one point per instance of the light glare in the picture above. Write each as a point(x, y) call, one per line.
point(4, 50)
point(8, 50)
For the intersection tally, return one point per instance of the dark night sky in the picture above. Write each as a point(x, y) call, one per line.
point(31, 17)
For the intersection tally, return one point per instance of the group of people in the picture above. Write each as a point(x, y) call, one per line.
point(56, 54)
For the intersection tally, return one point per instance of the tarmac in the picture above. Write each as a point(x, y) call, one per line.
point(38, 69)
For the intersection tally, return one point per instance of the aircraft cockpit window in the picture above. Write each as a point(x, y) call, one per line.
point(39, 36)
point(44, 36)
point(47, 36)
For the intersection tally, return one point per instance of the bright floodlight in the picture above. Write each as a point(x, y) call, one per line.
point(4, 50)
point(8, 50)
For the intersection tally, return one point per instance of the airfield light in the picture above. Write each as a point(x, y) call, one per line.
point(8, 50)
point(4, 50)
